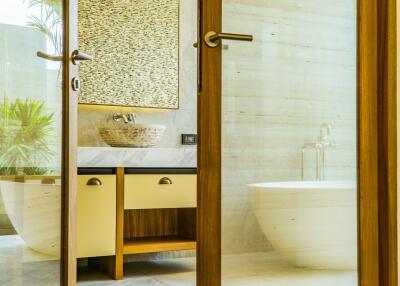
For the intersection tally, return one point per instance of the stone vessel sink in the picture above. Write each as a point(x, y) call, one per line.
point(131, 135)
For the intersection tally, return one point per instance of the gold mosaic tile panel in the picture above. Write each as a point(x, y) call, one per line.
point(135, 44)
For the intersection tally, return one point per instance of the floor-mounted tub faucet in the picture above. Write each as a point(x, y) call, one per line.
point(317, 148)
point(323, 143)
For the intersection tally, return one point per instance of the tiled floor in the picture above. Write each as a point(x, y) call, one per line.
point(251, 269)
point(20, 266)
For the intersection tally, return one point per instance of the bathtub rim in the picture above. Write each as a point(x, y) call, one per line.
point(303, 185)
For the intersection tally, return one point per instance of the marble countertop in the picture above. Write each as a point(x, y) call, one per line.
point(100, 157)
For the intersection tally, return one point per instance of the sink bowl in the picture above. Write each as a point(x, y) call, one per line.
point(131, 135)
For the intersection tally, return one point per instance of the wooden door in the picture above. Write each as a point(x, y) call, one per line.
point(38, 142)
point(374, 136)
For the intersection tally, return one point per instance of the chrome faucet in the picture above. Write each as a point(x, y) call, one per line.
point(130, 117)
point(323, 143)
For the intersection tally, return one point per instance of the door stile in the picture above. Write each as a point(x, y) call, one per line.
point(387, 94)
point(377, 143)
point(69, 147)
point(368, 210)
point(209, 150)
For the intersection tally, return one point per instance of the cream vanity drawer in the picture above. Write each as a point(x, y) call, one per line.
point(160, 191)
point(96, 211)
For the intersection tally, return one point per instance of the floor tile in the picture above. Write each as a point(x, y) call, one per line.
point(247, 269)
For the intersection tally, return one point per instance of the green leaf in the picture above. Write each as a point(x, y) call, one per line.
point(26, 135)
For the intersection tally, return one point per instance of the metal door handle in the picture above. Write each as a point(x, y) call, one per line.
point(49, 57)
point(224, 47)
point(213, 39)
point(78, 56)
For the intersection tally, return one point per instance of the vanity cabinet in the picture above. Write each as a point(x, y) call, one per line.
point(124, 211)
point(159, 211)
point(96, 215)
point(160, 191)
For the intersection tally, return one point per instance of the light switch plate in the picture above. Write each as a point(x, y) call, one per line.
point(189, 139)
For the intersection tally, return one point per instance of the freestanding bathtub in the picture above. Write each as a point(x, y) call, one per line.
point(34, 210)
point(312, 224)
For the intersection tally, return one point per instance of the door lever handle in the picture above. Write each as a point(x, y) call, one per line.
point(224, 47)
point(45, 56)
point(213, 39)
point(78, 56)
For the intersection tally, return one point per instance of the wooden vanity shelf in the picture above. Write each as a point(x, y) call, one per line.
point(159, 230)
point(158, 244)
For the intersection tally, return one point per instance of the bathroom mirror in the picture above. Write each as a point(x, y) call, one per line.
point(135, 45)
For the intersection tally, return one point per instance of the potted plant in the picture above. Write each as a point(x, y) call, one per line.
point(25, 136)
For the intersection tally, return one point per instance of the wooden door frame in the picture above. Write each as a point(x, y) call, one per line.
point(69, 168)
point(377, 159)
point(377, 134)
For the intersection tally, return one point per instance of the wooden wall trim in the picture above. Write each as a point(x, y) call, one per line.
point(209, 150)
point(68, 264)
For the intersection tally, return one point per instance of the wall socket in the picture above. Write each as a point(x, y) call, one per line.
point(189, 139)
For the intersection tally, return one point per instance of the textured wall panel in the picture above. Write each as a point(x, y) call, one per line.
point(136, 46)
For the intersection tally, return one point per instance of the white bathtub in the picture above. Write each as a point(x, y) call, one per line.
point(312, 224)
point(34, 210)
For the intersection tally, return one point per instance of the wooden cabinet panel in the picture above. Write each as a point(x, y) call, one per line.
point(145, 191)
point(96, 216)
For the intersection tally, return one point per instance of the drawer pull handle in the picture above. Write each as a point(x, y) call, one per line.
point(94, 182)
point(165, 181)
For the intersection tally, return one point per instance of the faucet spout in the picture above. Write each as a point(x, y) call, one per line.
point(131, 117)
point(125, 118)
